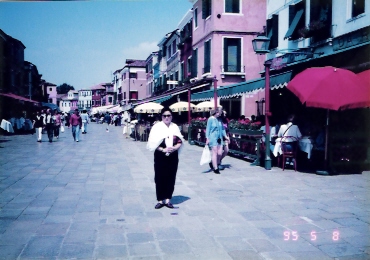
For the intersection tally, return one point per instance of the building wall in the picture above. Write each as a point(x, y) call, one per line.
point(137, 84)
point(52, 94)
point(84, 99)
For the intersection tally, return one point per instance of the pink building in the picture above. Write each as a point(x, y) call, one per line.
point(109, 94)
point(223, 31)
point(98, 92)
point(133, 82)
point(51, 92)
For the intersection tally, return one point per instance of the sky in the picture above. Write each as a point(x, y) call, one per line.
point(82, 43)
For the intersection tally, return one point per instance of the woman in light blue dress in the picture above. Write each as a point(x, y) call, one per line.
point(215, 134)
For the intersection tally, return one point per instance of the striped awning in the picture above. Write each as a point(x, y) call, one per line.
point(251, 86)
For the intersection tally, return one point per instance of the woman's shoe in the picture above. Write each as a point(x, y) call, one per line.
point(210, 165)
point(169, 205)
point(217, 171)
point(159, 205)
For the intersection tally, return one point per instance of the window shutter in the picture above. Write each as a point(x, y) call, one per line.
point(226, 55)
point(194, 63)
point(236, 7)
point(275, 31)
point(204, 8)
point(207, 56)
point(239, 55)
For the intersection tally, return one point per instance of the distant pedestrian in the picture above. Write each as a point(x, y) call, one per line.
point(67, 117)
point(49, 125)
point(165, 140)
point(38, 123)
point(107, 120)
point(85, 121)
point(76, 123)
point(57, 123)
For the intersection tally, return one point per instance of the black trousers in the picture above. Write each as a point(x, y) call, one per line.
point(56, 130)
point(165, 169)
point(50, 130)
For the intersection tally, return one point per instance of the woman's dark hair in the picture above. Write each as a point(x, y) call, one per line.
point(164, 109)
point(291, 118)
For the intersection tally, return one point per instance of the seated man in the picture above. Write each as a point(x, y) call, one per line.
point(290, 134)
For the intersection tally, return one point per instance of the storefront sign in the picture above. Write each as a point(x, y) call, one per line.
point(352, 39)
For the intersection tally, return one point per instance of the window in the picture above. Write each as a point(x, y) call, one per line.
point(232, 6)
point(232, 55)
point(296, 20)
point(320, 20)
point(174, 47)
point(206, 8)
point(194, 63)
point(110, 99)
point(169, 51)
point(181, 75)
point(207, 57)
point(273, 31)
point(124, 95)
point(358, 7)
point(50, 89)
point(134, 95)
point(133, 75)
point(196, 18)
point(188, 68)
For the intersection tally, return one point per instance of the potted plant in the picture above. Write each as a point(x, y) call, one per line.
point(312, 29)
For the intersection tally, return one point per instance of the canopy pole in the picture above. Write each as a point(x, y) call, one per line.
point(215, 91)
point(326, 164)
point(189, 94)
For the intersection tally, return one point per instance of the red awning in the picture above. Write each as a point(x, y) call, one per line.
point(14, 96)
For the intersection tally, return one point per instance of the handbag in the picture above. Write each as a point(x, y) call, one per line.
point(206, 156)
point(62, 128)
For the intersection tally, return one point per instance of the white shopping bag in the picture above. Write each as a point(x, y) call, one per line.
point(206, 156)
point(62, 128)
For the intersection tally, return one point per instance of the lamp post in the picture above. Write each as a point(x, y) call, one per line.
point(260, 46)
point(215, 91)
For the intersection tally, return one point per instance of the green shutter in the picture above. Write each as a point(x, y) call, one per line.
point(207, 56)
point(226, 55)
point(194, 63)
point(204, 8)
point(239, 55)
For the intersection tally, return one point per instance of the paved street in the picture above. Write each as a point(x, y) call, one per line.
point(95, 200)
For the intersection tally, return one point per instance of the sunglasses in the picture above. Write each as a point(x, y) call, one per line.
point(166, 115)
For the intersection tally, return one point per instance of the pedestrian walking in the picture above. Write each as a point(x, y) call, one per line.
point(215, 135)
point(49, 125)
point(57, 123)
point(38, 123)
point(85, 121)
point(107, 120)
point(165, 140)
point(76, 123)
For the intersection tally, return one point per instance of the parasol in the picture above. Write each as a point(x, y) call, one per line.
point(181, 106)
point(332, 89)
point(149, 107)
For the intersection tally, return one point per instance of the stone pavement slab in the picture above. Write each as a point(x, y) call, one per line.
point(95, 200)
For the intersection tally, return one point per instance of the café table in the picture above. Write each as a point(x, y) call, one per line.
point(305, 144)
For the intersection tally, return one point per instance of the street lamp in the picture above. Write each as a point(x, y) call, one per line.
point(261, 46)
